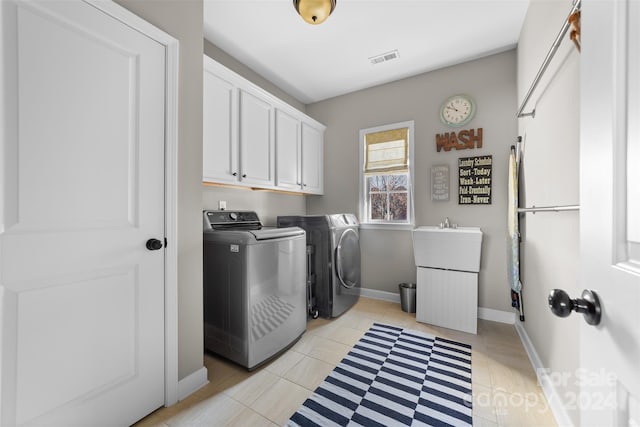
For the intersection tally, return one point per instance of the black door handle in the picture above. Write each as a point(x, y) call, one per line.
point(589, 305)
point(154, 244)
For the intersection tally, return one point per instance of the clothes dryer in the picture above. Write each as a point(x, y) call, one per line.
point(333, 242)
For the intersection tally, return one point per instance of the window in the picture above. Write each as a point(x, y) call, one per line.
point(386, 179)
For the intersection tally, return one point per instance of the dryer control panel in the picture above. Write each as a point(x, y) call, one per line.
point(344, 220)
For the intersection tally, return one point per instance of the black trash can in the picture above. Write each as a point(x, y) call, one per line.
point(408, 297)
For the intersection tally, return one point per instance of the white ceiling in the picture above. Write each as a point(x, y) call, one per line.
point(316, 62)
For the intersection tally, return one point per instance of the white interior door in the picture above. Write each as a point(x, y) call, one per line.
point(610, 212)
point(82, 190)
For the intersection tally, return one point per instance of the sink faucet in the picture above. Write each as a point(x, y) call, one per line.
point(446, 223)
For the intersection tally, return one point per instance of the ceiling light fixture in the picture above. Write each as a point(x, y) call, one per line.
point(314, 11)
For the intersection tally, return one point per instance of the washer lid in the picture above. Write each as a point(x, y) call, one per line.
point(277, 233)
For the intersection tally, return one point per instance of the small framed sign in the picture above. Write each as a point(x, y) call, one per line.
point(474, 180)
point(440, 183)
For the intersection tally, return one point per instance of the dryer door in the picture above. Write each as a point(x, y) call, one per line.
point(348, 259)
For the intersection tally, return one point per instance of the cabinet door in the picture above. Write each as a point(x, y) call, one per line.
point(312, 159)
point(288, 155)
point(256, 141)
point(220, 124)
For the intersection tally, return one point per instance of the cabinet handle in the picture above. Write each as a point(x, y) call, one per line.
point(304, 185)
point(244, 175)
point(235, 174)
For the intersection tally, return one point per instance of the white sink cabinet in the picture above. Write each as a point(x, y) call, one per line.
point(447, 262)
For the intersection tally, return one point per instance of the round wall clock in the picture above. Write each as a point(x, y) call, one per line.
point(457, 110)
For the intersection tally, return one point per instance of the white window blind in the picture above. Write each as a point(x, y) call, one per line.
point(387, 151)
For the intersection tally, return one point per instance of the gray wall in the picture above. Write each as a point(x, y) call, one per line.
point(267, 204)
point(219, 55)
point(388, 255)
point(183, 20)
point(550, 176)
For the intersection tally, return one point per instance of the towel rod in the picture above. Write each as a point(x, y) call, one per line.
point(547, 60)
point(535, 209)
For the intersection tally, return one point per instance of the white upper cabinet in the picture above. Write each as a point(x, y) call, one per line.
point(256, 141)
point(251, 138)
point(220, 126)
point(288, 152)
point(299, 160)
point(312, 159)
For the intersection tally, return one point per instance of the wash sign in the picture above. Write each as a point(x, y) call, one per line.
point(474, 180)
point(462, 140)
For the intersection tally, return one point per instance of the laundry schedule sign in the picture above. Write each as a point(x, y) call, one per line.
point(474, 180)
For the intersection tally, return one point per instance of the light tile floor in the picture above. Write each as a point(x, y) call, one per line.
point(505, 389)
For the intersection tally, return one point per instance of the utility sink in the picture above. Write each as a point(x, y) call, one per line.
point(447, 248)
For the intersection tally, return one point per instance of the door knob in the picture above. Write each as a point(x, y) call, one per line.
point(154, 244)
point(589, 305)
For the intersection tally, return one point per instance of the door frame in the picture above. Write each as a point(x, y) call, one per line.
point(171, 46)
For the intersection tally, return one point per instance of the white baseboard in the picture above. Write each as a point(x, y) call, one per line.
point(496, 315)
point(483, 313)
point(381, 295)
point(549, 390)
point(192, 383)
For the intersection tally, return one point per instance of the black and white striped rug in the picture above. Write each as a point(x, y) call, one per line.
point(394, 377)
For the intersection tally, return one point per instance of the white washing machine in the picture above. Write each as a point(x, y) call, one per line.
point(333, 245)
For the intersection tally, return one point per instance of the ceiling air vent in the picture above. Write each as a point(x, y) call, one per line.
point(384, 57)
